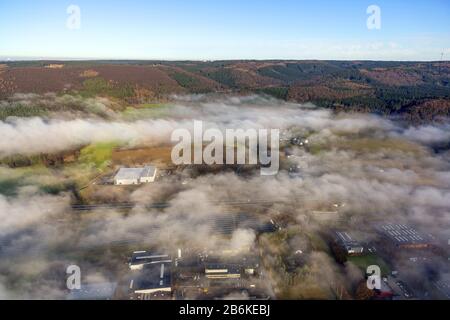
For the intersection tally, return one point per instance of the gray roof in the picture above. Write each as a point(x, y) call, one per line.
point(153, 276)
point(135, 173)
point(149, 171)
point(344, 238)
point(402, 234)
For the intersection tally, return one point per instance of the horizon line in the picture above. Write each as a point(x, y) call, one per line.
point(50, 59)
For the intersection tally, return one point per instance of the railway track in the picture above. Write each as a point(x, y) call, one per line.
point(162, 205)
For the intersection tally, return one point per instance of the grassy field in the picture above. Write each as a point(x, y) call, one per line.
point(368, 260)
point(377, 145)
point(11, 180)
point(145, 111)
point(94, 160)
point(98, 154)
point(160, 156)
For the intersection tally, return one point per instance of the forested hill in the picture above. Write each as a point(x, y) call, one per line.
point(419, 91)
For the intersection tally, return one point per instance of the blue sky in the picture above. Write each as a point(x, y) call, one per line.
point(232, 29)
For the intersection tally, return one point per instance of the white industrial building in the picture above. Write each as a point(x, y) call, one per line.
point(222, 271)
point(130, 176)
point(141, 258)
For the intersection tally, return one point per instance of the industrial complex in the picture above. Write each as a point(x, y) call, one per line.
point(196, 274)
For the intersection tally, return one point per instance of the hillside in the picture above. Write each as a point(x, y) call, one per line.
point(418, 90)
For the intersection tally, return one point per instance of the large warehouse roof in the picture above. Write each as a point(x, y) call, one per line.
point(403, 234)
point(129, 173)
point(152, 278)
point(135, 173)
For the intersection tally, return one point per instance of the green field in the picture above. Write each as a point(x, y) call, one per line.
point(98, 154)
point(94, 159)
point(11, 180)
point(145, 111)
point(368, 260)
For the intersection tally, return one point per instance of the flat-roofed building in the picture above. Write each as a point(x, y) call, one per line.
point(141, 258)
point(403, 236)
point(222, 271)
point(153, 278)
point(134, 176)
point(351, 246)
point(148, 174)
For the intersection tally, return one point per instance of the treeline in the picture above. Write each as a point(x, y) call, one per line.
point(388, 100)
point(99, 86)
point(222, 76)
point(189, 82)
point(294, 72)
point(48, 160)
point(276, 92)
point(21, 110)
